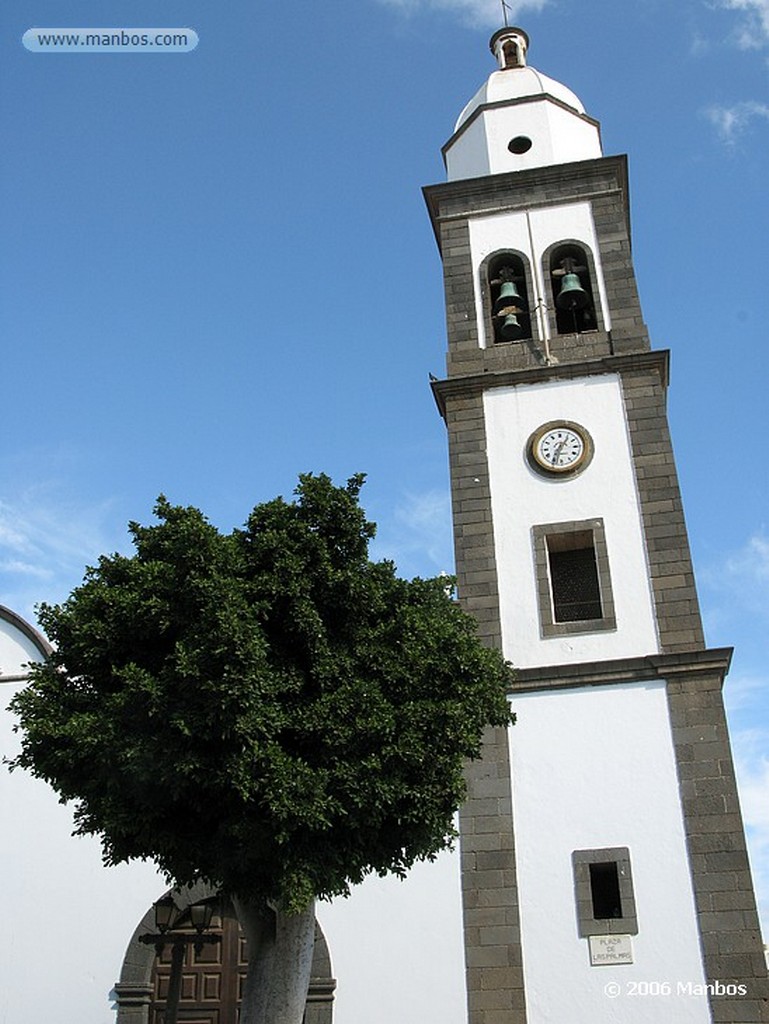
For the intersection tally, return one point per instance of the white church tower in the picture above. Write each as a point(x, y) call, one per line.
point(604, 869)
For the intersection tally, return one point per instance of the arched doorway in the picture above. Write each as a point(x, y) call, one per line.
point(212, 980)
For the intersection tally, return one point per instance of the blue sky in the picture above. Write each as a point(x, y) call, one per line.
point(218, 272)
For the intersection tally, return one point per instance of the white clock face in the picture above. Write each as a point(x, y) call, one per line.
point(560, 447)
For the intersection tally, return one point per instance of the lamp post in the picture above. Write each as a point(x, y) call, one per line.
point(167, 915)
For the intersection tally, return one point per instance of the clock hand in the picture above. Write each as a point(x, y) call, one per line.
point(557, 452)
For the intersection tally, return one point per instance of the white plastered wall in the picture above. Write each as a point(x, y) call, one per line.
point(595, 768)
point(522, 498)
point(16, 651)
point(532, 233)
point(67, 919)
point(558, 136)
point(397, 948)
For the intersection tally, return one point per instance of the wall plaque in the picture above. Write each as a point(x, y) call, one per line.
point(610, 949)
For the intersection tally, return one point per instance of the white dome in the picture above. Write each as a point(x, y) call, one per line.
point(519, 119)
point(517, 84)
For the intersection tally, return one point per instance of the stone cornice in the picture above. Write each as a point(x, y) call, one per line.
point(659, 360)
point(678, 667)
point(495, 193)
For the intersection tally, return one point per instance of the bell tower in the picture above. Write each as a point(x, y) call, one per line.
point(604, 869)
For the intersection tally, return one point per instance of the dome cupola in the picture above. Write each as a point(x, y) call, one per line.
point(518, 119)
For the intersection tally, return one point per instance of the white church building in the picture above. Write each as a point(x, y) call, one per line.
point(602, 874)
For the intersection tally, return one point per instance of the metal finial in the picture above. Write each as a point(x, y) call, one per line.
point(505, 9)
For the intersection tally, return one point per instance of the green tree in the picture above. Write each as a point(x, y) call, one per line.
point(267, 710)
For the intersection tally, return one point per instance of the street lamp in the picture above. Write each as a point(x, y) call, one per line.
point(167, 915)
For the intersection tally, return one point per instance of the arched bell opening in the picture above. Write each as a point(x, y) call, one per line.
point(509, 46)
point(507, 279)
point(570, 273)
point(212, 975)
point(511, 54)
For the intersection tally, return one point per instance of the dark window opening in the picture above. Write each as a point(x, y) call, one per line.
point(603, 886)
point(509, 298)
point(511, 55)
point(604, 890)
point(572, 290)
point(574, 581)
point(520, 144)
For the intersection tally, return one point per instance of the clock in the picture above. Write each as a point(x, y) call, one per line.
point(559, 448)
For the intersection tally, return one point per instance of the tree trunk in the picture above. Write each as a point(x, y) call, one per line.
point(280, 948)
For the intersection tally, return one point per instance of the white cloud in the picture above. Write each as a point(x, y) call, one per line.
point(753, 31)
point(745, 698)
point(746, 572)
point(417, 536)
point(11, 566)
point(46, 540)
point(739, 583)
point(738, 595)
point(699, 46)
point(472, 12)
point(745, 692)
point(732, 122)
point(753, 561)
point(752, 770)
point(754, 796)
point(743, 574)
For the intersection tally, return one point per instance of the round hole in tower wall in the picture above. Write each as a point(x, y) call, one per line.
point(520, 144)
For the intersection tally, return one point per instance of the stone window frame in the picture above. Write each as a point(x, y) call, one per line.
point(548, 626)
point(488, 318)
point(587, 924)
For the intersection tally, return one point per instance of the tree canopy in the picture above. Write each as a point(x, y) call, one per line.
point(268, 709)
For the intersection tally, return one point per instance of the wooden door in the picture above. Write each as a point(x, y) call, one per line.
point(212, 980)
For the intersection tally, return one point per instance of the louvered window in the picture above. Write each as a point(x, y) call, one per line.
point(574, 578)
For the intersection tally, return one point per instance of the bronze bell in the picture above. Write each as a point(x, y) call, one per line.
point(572, 295)
point(511, 328)
point(508, 296)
